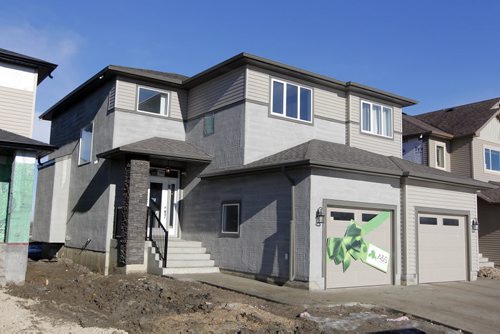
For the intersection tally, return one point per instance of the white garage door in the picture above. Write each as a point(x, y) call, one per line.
point(442, 248)
point(358, 272)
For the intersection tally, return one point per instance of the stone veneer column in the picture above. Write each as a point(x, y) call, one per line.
point(134, 212)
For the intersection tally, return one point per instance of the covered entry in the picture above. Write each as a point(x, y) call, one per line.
point(359, 247)
point(442, 248)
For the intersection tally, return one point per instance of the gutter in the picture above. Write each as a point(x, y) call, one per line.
point(291, 258)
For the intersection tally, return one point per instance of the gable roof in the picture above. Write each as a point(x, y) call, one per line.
point(412, 126)
point(464, 120)
point(228, 65)
point(319, 153)
point(14, 141)
point(160, 147)
point(43, 67)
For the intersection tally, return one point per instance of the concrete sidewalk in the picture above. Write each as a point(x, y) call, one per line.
point(470, 306)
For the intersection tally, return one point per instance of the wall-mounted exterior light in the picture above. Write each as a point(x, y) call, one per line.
point(475, 224)
point(320, 216)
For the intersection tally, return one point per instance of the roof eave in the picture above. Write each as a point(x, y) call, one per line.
point(119, 152)
point(472, 184)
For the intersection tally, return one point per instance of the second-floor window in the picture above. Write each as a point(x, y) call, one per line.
point(152, 100)
point(440, 156)
point(491, 160)
point(376, 119)
point(85, 155)
point(291, 101)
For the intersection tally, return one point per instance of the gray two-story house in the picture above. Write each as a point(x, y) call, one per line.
point(250, 166)
point(464, 140)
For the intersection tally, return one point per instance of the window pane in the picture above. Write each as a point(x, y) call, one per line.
point(450, 222)
point(387, 119)
point(208, 124)
point(278, 91)
point(487, 158)
point(86, 144)
point(440, 156)
point(377, 119)
point(231, 218)
point(152, 101)
point(342, 215)
point(428, 221)
point(495, 160)
point(291, 100)
point(366, 217)
point(366, 117)
point(305, 104)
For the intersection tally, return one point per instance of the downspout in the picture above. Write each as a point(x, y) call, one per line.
point(291, 259)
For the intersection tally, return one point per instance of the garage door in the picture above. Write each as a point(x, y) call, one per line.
point(442, 248)
point(342, 244)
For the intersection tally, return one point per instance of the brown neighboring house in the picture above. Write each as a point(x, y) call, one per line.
point(464, 140)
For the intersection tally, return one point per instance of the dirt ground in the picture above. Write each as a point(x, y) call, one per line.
point(151, 304)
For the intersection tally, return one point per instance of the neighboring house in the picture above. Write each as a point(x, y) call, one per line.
point(19, 77)
point(257, 165)
point(464, 140)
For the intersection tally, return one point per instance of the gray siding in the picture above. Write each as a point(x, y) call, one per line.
point(348, 187)
point(373, 143)
point(420, 194)
point(126, 97)
point(491, 131)
point(478, 164)
point(460, 157)
point(43, 204)
point(132, 126)
point(262, 247)
point(489, 230)
point(227, 142)
point(265, 135)
point(217, 93)
point(327, 103)
point(16, 110)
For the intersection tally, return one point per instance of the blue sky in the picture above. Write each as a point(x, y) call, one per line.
point(441, 53)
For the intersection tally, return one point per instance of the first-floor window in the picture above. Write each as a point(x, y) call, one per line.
point(231, 218)
point(376, 119)
point(86, 144)
point(492, 159)
point(291, 101)
point(208, 124)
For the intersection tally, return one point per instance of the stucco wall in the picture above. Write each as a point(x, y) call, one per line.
point(262, 247)
point(342, 186)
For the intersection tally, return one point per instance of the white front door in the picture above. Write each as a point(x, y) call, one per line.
point(164, 201)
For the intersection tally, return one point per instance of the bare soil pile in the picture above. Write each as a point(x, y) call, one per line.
point(493, 273)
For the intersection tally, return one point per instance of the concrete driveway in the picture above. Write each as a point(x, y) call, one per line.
point(470, 306)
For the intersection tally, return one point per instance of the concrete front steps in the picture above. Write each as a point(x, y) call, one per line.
point(484, 262)
point(183, 257)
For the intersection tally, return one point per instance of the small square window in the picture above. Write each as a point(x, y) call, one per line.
point(342, 215)
point(440, 156)
point(231, 218)
point(428, 221)
point(85, 154)
point(152, 101)
point(208, 124)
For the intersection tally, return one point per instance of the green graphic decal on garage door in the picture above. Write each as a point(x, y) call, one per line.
point(354, 246)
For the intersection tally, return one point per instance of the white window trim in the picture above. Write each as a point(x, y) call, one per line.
point(167, 104)
point(80, 145)
point(382, 106)
point(224, 205)
point(444, 155)
point(491, 148)
point(284, 101)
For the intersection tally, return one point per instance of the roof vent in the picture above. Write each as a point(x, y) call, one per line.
point(449, 109)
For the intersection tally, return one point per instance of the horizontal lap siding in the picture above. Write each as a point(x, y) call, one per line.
point(461, 163)
point(329, 104)
point(257, 86)
point(489, 231)
point(423, 195)
point(217, 93)
point(126, 98)
point(16, 110)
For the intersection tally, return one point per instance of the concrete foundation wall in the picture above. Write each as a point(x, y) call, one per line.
point(342, 186)
point(95, 261)
point(262, 247)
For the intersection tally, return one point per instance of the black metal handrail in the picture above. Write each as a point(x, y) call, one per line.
point(159, 240)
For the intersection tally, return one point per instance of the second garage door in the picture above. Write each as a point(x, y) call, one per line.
point(442, 248)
